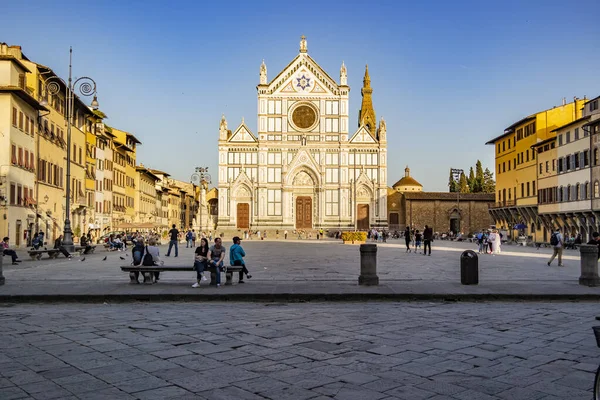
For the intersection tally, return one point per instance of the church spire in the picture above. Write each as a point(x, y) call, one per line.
point(367, 113)
point(343, 75)
point(263, 73)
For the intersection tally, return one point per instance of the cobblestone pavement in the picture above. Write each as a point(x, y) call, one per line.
point(300, 351)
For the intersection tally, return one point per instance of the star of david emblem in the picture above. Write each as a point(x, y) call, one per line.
point(303, 82)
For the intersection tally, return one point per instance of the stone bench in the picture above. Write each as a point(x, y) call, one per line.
point(147, 272)
point(37, 254)
point(81, 249)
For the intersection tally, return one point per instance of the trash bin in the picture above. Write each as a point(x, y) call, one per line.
point(469, 268)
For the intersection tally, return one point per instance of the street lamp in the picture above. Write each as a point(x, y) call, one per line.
point(86, 87)
point(456, 174)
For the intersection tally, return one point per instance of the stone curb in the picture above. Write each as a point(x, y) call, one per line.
point(294, 297)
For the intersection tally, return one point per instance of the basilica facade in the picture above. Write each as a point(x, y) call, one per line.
point(307, 166)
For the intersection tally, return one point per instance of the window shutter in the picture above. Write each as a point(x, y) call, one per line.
point(14, 154)
point(31, 162)
point(20, 156)
point(26, 161)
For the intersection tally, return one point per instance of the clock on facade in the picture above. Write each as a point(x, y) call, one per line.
point(304, 116)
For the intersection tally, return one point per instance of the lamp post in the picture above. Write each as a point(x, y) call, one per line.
point(199, 178)
point(86, 87)
point(456, 174)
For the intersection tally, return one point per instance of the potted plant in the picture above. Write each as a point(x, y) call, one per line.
point(354, 237)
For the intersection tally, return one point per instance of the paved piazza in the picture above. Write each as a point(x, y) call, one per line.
point(317, 261)
point(300, 351)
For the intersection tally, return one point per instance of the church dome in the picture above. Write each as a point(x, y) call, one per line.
point(408, 183)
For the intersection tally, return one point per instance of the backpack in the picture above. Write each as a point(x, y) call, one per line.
point(554, 239)
point(148, 260)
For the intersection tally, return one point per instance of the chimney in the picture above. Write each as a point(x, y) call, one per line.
point(564, 101)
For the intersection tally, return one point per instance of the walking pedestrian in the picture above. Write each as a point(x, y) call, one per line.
point(174, 239)
point(418, 239)
point(285, 233)
point(557, 242)
point(428, 238)
point(407, 238)
point(193, 238)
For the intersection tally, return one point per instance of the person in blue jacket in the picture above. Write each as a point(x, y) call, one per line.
point(236, 257)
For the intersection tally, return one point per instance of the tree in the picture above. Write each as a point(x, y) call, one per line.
point(452, 183)
point(479, 178)
point(471, 180)
point(489, 185)
point(463, 186)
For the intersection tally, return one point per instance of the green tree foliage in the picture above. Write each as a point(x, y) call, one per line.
point(463, 185)
point(452, 186)
point(471, 180)
point(478, 181)
point(479, 178)
point(489, 185)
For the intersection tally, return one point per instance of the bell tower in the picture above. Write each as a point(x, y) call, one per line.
point(367, 113)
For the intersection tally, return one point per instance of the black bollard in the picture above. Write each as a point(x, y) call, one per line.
point(469, 268)
point(368, 265)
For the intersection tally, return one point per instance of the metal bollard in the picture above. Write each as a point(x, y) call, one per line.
point(469, 268)
point(2, 279)
point(589, 265)
point(368, 265)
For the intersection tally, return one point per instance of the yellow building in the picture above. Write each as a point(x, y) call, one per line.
point(516, 168)
point(145, 199)
point(120, 153)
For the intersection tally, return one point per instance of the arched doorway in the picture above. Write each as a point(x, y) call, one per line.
point(303, 189)
point(455, 221)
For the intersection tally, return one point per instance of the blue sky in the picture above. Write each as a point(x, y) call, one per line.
point(447, 75)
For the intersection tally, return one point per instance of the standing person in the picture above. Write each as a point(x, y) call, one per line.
point(9, 252)
point(201, 262)
point(193, 238)
point(595, 241)
point(498, 242)
point(557, 242)
point(480, 241)
point(427, 239)
point(407, 238)
point(285, 233)
point(174, 239)
point(492, 241)
point(236, 257)
point(188, 239)
point(137, 252)
point(265, 234)
point(418, 239)
point(216, 255)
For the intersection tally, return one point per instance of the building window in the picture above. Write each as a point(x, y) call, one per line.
point(332, 202)
point(274, 175)
point(503, 146)
point(504, 167)
point(541, 168)
point(527, 155)
point(498, 148)
point(533, 187)
point(331, 175)
point(568, 137)
point(576, 134)
point(528, 189)
point(596, 156)
point(522, 189)
point(585, 191)
point(15, 117)
point(273, 202)
point(274, 158)
point(560, 140)
point(331, 107)
point(596, 189)
point(594, 105)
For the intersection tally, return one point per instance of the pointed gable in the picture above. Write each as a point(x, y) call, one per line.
point(242, 135)
point(362, 135)
point(290, 79)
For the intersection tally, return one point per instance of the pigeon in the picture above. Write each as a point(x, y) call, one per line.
point(83, 259)
point(122, 258)
point(105, 257)
point(45, 248)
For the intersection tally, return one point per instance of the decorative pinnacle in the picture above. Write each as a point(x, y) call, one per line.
point(303, 46)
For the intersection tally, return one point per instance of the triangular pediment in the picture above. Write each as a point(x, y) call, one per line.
point(303, 76)
point(242, 183)
point(362, 135)
point(242, 135)
point(302, 160)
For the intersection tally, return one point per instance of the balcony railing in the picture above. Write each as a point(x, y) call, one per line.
point(501, 204)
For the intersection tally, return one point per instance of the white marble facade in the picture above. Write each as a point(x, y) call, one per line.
point(306, 167)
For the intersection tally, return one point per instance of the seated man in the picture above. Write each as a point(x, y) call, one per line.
point(84, 242)
point(236, 257)
point(216, 255)
point(9, 252)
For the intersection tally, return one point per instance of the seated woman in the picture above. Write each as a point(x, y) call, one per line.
point(201, 262)
point(9, 252)
point(118, 243)
point(152, 249)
